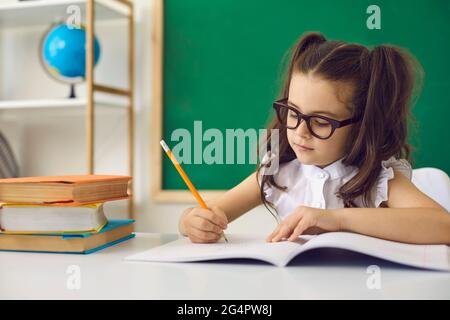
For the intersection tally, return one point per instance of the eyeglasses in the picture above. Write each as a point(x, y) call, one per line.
point(321, 127)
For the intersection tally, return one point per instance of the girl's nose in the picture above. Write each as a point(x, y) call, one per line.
point(302, 130)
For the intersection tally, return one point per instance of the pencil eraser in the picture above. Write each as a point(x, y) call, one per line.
point(164, 145)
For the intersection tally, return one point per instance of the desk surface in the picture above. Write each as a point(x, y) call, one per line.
point(314, 275)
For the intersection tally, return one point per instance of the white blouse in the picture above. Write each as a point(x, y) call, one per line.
point(312, 186)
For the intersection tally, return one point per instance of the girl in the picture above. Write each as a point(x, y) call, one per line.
point(343, 154)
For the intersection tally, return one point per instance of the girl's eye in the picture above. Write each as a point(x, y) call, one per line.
point(292, 114)
point(320, 123)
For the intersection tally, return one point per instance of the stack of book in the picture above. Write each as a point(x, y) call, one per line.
point(61, 213)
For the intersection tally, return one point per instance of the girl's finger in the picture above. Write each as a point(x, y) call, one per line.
point(205, 225)
point(270, 237)
point(287, 227)
point(301, 227)
point(222, 215)
point(204, 236)
point(212, 217)
point(195, 239)
point(284, 232)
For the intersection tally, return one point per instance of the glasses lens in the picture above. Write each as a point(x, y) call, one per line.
point(321, 127)
point(292, 118)
point(287, 117)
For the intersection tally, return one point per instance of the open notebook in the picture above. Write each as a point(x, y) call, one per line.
point(280, 253)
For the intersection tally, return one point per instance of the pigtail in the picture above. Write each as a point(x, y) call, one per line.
point(384, 126)
point(391, 87)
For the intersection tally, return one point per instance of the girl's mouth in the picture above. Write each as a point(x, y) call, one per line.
point(300, 147)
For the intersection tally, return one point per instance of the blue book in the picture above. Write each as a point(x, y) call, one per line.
point(115, 231)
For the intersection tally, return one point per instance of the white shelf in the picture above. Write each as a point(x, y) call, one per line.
point(77, 103)
point(44, 12)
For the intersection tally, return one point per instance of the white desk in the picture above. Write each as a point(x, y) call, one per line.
point(104, 275)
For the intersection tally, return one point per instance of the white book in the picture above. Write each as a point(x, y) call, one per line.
point(29, 218)
point(435, 257)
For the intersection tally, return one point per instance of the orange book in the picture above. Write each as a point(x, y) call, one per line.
point(71, 190)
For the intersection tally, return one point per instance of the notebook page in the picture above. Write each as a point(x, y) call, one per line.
point(422, 256)
point(239, 246)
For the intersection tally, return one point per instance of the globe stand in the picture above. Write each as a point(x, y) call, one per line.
point(72, 94)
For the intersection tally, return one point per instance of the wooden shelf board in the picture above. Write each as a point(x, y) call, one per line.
point(43, 12)
point(57, 103)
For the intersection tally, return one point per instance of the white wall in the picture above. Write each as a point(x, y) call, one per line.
point(53, 142)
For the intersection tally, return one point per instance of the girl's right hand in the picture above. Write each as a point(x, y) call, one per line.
point(203, 225)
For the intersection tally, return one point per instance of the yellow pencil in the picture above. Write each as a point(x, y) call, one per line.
point(185, 178)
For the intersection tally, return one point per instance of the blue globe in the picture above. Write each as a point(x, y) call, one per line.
point(64, 52)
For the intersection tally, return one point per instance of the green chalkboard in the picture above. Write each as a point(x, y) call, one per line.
point(222, 66)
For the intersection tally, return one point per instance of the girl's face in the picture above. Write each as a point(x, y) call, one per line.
point(313, 95)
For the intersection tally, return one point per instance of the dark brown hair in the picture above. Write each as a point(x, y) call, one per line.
point(386, 82)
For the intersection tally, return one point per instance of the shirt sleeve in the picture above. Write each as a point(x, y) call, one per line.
point(386, 174)
point(269, 191)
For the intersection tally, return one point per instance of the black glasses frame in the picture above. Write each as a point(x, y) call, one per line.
point(280, 104)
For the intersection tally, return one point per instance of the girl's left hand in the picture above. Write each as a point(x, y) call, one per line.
point(302, 219)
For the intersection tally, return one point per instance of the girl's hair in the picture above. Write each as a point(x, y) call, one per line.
point(384, 79)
